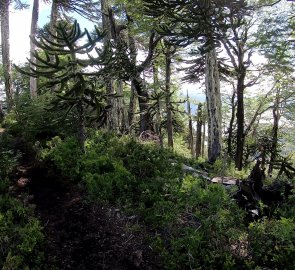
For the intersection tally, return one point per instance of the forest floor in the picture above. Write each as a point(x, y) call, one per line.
point(83, 235)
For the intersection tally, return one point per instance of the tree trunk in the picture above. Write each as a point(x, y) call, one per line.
point(34, 22)
point(53, 16)
point(199, 131)
point(121, 114)
point(4, 9)
point(143, 100)
point(132, 107)
point(230, 128)
point(168, 95)
point(112, 118)
point(204, 134)
point(213, 105)
point(190, 126)
point(240, 121)
point(158, 121)
point(275, 129)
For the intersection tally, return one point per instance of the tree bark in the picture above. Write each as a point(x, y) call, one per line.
point(199, 130)
point(4, 9)
point(132, 107)
point(111, 118)
point(190, 126)
point(138, 84)
point(158, 121)
point(143, 100)
point(240, 119)
point(213, 98)
point(275, 130)
point(34, 22)
point(231, 123)
point(120, 108)
point(168, 56)
point(53, 16)
point(204, 134)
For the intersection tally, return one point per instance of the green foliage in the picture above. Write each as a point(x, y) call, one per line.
point(20, 236)
point(198, 224)
point(65, 73)
point(65, 155)
point(272, 243)
point(224, 167)
point(33, 120)
point(8, 162)
point(208, 226)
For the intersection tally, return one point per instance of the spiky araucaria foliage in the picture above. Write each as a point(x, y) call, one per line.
point(66, 74)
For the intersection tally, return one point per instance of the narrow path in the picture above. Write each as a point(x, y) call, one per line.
point(81, 235)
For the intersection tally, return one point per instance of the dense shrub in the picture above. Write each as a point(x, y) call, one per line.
point(272, 243)
point(66, 155)
point(8, 163)
point(204, 231)
point(20, 236)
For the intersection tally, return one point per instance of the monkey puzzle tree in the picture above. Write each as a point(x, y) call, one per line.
point(188, 22)
point(58, 62)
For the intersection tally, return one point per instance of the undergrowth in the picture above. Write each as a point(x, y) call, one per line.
point(21, 235)
point(193, 224)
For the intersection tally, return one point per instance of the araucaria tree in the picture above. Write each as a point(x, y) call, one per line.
point(188, 22)
point(57, 61)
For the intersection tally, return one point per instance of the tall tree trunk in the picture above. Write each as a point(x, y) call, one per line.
point(111, 119)
point(213, 105)
point(53, 16)
point(275, 130)
point(138, 84)
point(121, 114)
point(199, 130)
point(143, 100)
point(34, 22)
point(190, 126)
point(204, 134)
point(240, 121)
point(168, 60)
point(231, 123)
point(132, 107)
point(4, 9)
point(158, 121)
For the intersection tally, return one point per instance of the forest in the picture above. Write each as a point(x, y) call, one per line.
point(162, 136)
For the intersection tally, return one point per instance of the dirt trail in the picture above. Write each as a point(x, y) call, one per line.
point(81, 235)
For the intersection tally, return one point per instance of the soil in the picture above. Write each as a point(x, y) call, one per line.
point(83, 235)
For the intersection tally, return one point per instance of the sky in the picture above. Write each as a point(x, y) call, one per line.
point(20, 24)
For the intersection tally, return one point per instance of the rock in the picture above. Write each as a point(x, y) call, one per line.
point(22, 182)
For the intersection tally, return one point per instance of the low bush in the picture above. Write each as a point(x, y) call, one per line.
point(66, 155)
point(204, 229)
point(272, 243)
point(21, 236)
